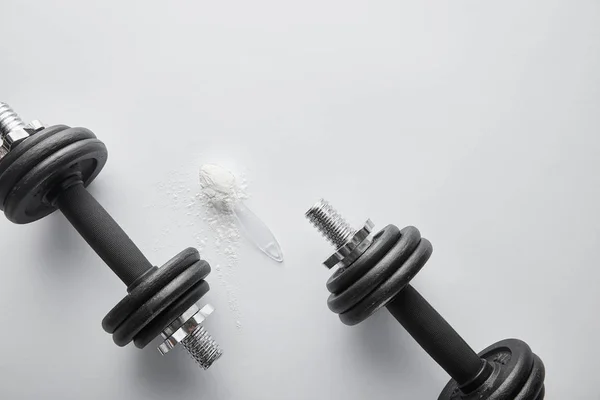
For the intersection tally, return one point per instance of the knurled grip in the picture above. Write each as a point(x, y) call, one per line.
point(102, 233)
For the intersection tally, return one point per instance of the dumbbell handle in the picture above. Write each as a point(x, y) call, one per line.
point(438, 338)
point(102, 233)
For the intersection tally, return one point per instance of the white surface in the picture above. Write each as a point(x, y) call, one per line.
point(477, 122)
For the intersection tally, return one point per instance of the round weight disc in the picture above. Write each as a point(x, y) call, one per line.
point(379, 274)
point(26, 202)
point(158, 300)
point(15, 163)
point(390, 288)
point(518, 374)
point(46, 161)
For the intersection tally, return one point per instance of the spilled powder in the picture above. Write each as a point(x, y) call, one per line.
point(219, 192)
point(205, 197)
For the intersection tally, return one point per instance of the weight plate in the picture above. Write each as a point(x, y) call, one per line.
point(518, 374)
point(160, 298)
point(27, 201)
point(29, 171)
point(379, 274)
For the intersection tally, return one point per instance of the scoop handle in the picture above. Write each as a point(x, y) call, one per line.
point(257, 231)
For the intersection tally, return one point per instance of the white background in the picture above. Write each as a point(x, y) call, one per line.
point(477, 122)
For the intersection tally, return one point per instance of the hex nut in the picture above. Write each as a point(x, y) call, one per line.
point(354, 248)
point(35, 126)
point(183, 326)
point(14, 136)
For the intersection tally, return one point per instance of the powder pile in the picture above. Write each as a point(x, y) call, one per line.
point(219, 188)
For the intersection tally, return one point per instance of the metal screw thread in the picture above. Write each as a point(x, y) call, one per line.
point(202, 347)
point(9, 120)
point(330, 223)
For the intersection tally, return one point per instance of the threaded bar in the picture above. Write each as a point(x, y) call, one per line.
point(9, 120)
point(330, 223)
point(202, 347)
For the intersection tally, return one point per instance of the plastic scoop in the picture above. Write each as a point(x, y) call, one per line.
point(219, 184)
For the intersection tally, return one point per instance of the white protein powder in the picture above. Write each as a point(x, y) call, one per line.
point(219, 187)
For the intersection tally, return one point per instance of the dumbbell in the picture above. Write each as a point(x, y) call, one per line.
point(375, 271)
point(43, 169)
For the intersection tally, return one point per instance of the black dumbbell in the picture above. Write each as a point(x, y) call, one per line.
point(47, 168)
point(375, 271)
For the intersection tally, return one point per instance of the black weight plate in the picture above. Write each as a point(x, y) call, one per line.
point(343, 278)
point(534, 387)
point(149, 287)
point(157, 304)
point(26, 201)
point(19, 161)
point(25, 145)
point(518, 374)
point(382, 268)
point(391, 287)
